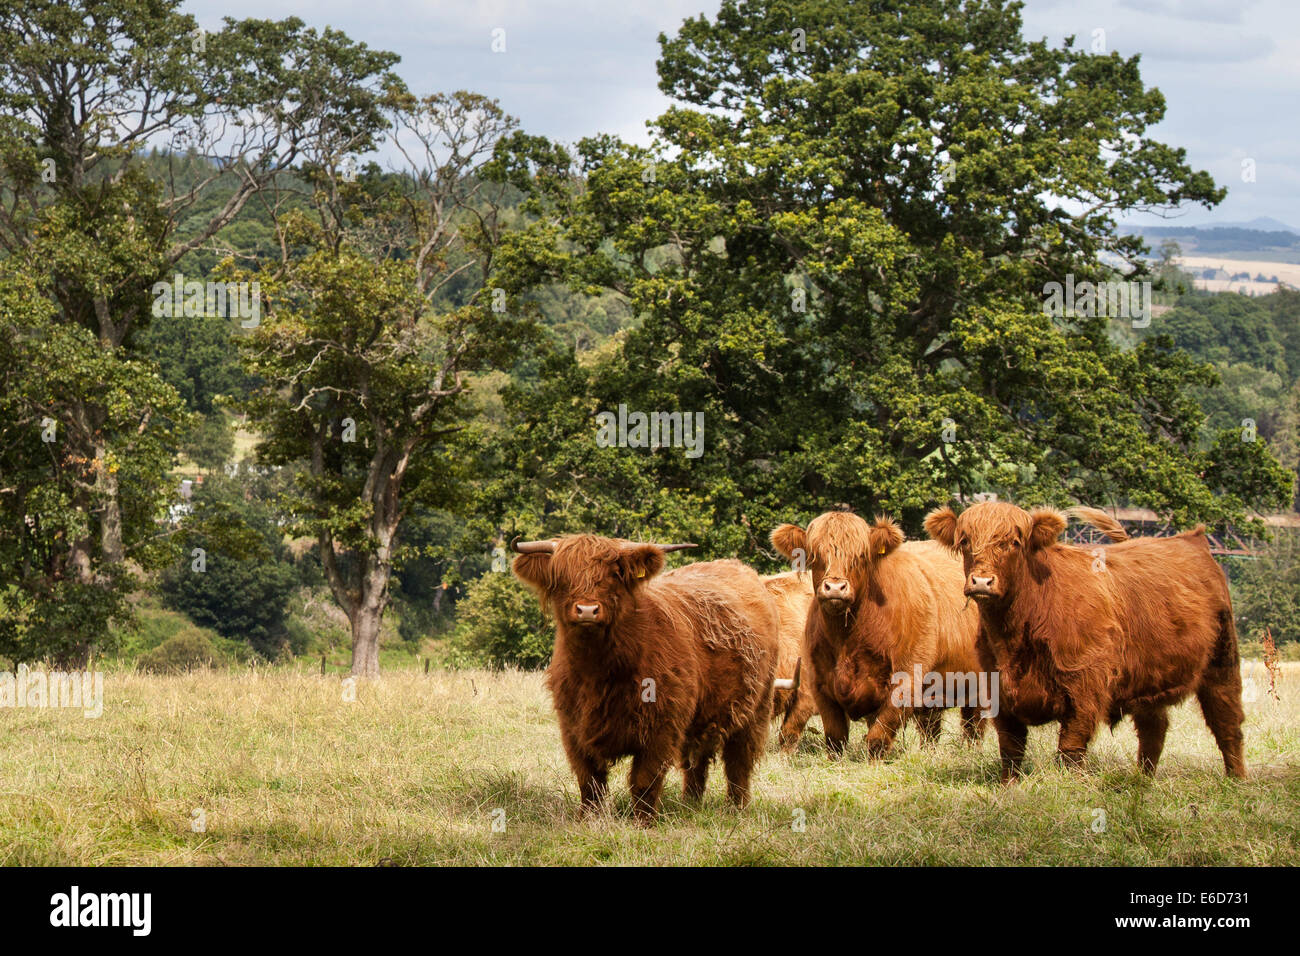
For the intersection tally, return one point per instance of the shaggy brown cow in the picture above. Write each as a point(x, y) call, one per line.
point(791, 705)
point(660, 667)
point(884, 609)
point(1080, 635)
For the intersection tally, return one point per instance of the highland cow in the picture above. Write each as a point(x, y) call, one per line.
point(792, 704)
point(885, 610)
point(1082, 635)
point(660, 667)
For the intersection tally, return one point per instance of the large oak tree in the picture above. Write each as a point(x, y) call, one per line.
point(837, 248)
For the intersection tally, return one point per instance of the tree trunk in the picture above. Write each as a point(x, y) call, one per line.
point(78, 563)
point(364, 595)
point(369, 611)
point(365, 642)
point(112, 333)
point(110, 526)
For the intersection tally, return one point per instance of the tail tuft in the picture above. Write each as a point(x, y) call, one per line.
point(1103, 522)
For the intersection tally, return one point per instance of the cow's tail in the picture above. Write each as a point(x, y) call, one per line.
point(1225, 648)
point(1103, 522)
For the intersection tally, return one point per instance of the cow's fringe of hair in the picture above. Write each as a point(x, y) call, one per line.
point(846, 538)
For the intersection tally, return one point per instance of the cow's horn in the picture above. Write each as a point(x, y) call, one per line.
point(532, 547)
point(789, 683)
point(675, 547)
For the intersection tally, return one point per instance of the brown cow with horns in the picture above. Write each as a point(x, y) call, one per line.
point(1081, 635)
point(662, 667)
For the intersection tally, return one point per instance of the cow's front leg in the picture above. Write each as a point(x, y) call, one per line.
point(1012, 736)
point(1077, 728)
point(592, 777)
point(646, 781)
point(885, 728)
point(835, 723)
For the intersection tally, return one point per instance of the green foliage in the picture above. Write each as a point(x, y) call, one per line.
point(243, 591)
point(835, 253)
point(79, 425)
point(314, 625)
point(1244, 394)
point(149, 627)
point(1266, 590)
point(189, 649)
point(498, 624)
point(211, 443)
point(1238, 471)
point(196, 356)
point(58, 621)
point(440, 551)
point(1254, 344)
point(839, 256)
point(1230, 329)
point(93, 219)
point(390, 299)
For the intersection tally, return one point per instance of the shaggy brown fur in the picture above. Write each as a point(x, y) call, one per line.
point(792, 592)
point(1081, 635)
point(884, 607)
point(673, 667)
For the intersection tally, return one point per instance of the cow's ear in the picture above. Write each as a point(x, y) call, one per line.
point(941, 526)
point(640, 563)
point(534, 570)
point(788, 538)
point(1045, 526)
point(885, 535)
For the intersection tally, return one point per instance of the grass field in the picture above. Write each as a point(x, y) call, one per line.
point(419, 769)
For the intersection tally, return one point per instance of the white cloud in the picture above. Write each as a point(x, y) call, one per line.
point(1229, 69)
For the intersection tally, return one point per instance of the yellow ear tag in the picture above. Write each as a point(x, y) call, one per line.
point(641, 573)
point(882, 549)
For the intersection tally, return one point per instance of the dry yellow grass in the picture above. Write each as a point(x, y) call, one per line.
point(419, 768)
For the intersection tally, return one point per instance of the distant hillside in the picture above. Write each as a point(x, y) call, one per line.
point(1260, 223)
point(1227, 241)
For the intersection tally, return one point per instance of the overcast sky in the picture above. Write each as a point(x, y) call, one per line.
point(1229, 69)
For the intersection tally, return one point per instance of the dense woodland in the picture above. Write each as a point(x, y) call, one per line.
point(835, 251)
